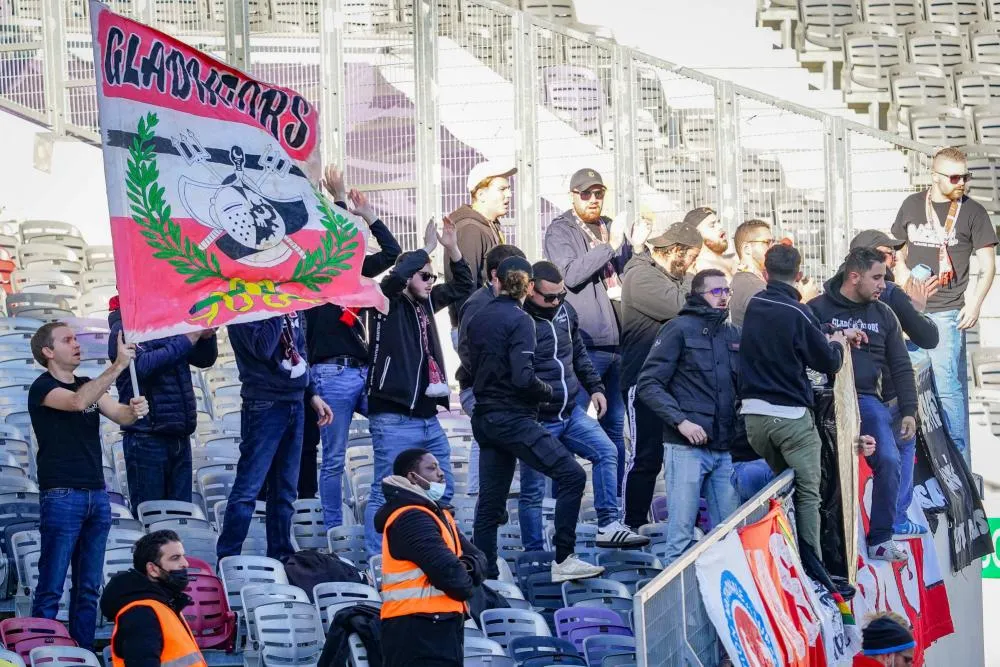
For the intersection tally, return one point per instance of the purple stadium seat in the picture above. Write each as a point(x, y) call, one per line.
point(212, 623)
point(578, 623)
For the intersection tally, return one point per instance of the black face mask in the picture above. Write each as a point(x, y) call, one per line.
point(175, 581)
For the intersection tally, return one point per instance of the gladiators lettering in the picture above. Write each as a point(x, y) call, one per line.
point(129, 60)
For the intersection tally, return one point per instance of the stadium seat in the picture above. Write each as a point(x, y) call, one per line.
point(870, 51)
point(62, 656)
point(977, 84)
point(153, 511)
point(10, 656)
point(239, 571)
point(918, 85)
point(482, 646)
point(984, 165)
point(308, 530)
point(290, 634)
point(332, 596)
point(30, 229)
point(984, 42)
point(543, 651)
point(214, 484)
point(625, 659)
point(895, 13)
point(502, 625)
point(533, 562)
point(574, 94)
point(23, 634)
point(489, 661)
point(116, 560)
point(588, 589)
point(597, 647)
point(253, 596)
point(821, 22)
point(576, 623)
point(954, 12)
point(212, 622)
point(939, 44)
point(348, 542)
point(939, 126)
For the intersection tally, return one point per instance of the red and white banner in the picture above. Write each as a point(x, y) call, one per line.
point(211, 179)
point(914, 589)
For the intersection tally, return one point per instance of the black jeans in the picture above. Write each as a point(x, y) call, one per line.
point(504, 438)
point(308, 480)
point(420, 640)
point(647, 448)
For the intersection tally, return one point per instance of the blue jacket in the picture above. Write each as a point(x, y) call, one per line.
point(568, 247)
point(691, 373)
point(781, 338)
point(561, 360)
point(161, 366)
point(259, 357)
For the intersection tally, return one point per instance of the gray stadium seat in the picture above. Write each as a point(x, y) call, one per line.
point(984, 42)
point(940, 126)
point(290, 634)
point(239, 571)
point(502, 625)
point(255, 595)
point(954, 12)
point(937, 44)
point(11, 657)
point(63, 656)
point(308, 530)
point(152, 511)
point(331, 596)
point(870, 51)
point(821, 22)
point(895, 13)
point(977, 84)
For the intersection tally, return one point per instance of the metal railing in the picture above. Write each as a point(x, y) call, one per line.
point(672, 628)
point(410, 100)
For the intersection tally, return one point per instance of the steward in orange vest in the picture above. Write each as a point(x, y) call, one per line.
point(145, 604)
point(429, 569)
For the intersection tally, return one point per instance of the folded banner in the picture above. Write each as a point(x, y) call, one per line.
point(210, 173)
point(914, 589)
point(943, 480)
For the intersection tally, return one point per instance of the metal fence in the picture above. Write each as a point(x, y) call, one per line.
point(671, 625)
point(410, 100)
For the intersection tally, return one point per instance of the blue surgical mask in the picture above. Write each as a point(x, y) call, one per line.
point(436, 490)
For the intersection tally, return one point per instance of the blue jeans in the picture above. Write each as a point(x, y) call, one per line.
point(158, 467)
point(393, 433)
point(583, 436)
point(951, 380)
point(270, 451)
point(609, 366)
point(749, 477)
point(74, 529)
point(342, 387)
point(878, 421)
point(693, 472)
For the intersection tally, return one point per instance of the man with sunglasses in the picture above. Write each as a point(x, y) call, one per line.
point(561, 361)
point(689, 382)
point(406, 375)
point(752, 239)
point(590, 250)
point(942, 228)
point(656, 285)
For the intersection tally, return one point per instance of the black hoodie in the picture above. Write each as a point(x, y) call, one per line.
point(885, 347)
point(138, 638)
point(416, 537)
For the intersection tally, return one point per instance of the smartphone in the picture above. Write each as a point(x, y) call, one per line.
point(921, 272)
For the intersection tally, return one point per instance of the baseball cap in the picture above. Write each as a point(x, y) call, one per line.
point(488, 169)
point(514, 264)
point(585, 179)
point(679, 232)
point(695, 216)
point(873, 238)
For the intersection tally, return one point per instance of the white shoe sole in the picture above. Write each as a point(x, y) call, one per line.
point(559, 578)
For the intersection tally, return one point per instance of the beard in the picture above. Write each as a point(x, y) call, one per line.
point(588, 215)
point(956, 194)
point(717, 246)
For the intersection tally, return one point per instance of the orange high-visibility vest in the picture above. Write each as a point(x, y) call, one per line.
point(179, 646)
point(405, 588)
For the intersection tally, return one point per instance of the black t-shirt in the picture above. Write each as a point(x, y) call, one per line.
point(973, 230)
point(327, 334)
point(69, 443)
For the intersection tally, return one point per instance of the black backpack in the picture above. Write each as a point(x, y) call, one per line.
point(305, 569)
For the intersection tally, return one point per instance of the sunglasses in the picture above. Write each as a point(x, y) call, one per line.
point(427, 276)
point(718, 291)
point(955, 179)
point(552, 298)
point(596, 193)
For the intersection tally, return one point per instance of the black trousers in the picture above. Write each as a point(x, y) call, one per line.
point(308, 482)
point(503, 439)
point(647, 448)
point(423, 641)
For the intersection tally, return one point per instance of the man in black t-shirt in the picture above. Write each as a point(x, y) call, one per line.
point(75, 510)
point(943, 228)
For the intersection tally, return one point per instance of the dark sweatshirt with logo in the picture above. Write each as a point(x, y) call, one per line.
point(885, 348)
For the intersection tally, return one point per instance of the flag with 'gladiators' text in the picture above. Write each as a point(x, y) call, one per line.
point(211, 179)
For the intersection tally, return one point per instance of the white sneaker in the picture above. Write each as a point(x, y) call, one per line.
point(574, 568)
point(617, 535)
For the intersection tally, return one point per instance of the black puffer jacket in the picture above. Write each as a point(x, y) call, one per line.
point(691, 373)
point(416, 537)
point(561, 359)
point(138, 639)
point(161, 367)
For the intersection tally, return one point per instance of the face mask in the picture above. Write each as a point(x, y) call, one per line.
point(436, 490)
point(176, 580)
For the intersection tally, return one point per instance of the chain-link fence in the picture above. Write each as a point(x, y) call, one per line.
point(671, 624)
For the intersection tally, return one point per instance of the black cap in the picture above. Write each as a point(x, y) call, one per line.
point(679, 232)
point(514, 264)
point(695, 216)
point(884, 635)
point(874, 238)
point(585, 179)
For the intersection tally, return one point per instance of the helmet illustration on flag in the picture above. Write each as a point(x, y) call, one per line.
point(247, 225)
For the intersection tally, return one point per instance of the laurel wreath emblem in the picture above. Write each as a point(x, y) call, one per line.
point(152, 213)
